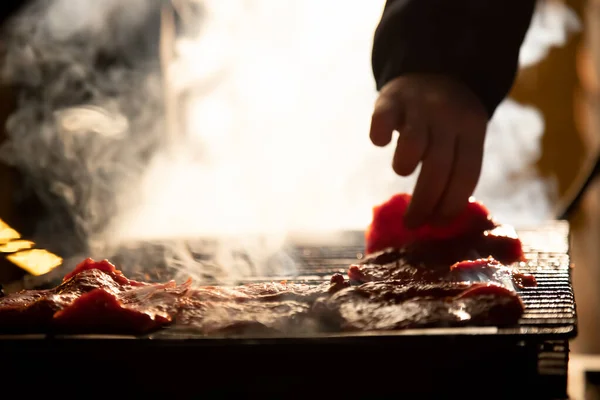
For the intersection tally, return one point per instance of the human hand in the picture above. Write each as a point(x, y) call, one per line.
point(441, 124)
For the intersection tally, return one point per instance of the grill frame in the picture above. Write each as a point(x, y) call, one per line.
point(535, 352)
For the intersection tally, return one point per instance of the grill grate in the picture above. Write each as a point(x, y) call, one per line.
point(532, 357)
point(549, 307)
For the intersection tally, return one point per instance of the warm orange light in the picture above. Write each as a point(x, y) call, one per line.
point(16, 245)
point(21, 253)
point(36, 262)
point(7, 233)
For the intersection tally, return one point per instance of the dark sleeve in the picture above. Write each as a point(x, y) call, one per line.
point(474, 41)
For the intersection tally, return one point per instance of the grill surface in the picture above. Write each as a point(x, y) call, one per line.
point(428, 363)
point(549, 307)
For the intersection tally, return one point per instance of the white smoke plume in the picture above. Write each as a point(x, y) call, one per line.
point(552, 25)
point(88, 114)
point(276, 99)
point(510, 184)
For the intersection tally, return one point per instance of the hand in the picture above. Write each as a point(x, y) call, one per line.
point(441, 124)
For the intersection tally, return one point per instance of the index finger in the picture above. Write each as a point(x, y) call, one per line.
point(387, 116)
point(433, 179)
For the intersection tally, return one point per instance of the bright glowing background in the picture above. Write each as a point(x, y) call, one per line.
point(282, 142)
point(278, 99)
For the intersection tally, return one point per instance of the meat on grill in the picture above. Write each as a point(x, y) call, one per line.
point(400, 291)
point(393, 305)
point(98, 298)
point(261, 308)
point(473, 233)
point(95, 297)
point(406, 267)
point(431, 276)
point(410, 279)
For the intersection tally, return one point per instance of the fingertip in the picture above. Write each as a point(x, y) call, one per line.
point(384, 121)
point(381, 130)
point(403, 169)
point(410, 150)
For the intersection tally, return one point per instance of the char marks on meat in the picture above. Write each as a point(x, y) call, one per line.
point(416, 278)
point(259, 308)
point(399, 265)
point(409, 279)
point(104, 301)
point(98, 298)
point(400, 291)
point(391, 305)
point(239, 316)
point(264, 308)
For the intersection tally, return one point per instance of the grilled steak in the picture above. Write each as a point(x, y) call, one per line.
point(416, 278)
point(97, 298)
point(395, 305)
point(406, 267)
point(419, 281)
point(262, 308)
point(237, 317)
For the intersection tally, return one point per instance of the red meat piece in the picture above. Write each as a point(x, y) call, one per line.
point(104, 266)
point(503, 244)
point(387, 228)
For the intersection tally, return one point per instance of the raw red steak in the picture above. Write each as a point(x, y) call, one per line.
point(397, 305)
point(95, 297)
point(473, 230)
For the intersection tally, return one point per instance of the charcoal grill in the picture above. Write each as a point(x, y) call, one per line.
point(526, 361)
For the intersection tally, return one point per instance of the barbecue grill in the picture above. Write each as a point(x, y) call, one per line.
point(526, 361)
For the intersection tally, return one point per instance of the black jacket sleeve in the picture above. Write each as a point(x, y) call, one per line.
point(474, 41)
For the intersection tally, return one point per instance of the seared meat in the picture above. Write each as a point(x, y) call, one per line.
point(422, 281)
point(97, 298)
point(263, 308)
point(408, 268)
point(253, 315)
point(395, 305)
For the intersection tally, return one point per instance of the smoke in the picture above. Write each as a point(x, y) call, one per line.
point(274, 101)
point(551, 26)
point(88, 114)
point(510, 184)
